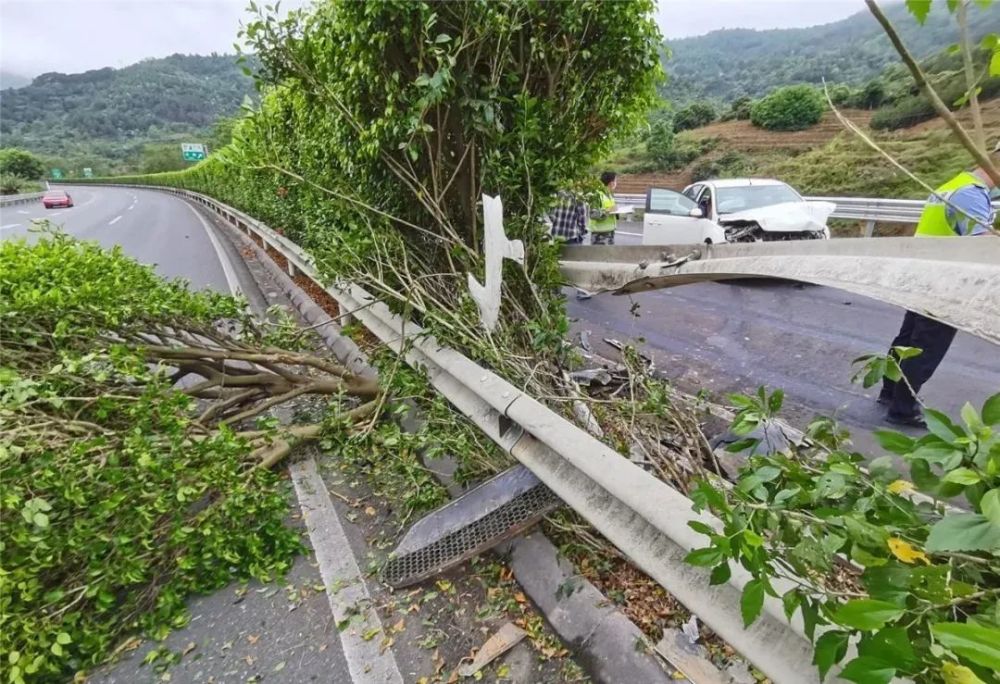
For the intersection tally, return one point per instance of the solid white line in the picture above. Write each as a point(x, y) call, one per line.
point(9, 225)
point(115, 220)
point(23, 211)
point(227, 268)
point(345, 587)
point(622, 232)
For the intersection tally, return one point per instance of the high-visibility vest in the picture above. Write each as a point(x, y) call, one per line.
point(934, 220)
point(610, 221)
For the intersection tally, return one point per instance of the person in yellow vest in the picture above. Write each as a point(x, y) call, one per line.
point(959, 208)
point(603, 221)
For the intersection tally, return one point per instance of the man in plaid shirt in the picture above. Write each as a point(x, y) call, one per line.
point(569, 220)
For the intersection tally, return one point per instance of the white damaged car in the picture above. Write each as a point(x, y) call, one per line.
point(732, 210)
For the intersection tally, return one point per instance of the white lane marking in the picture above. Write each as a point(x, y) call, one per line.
point(227, 268)
point(345, 587)
point(57, 213)
point(23, 211)
point(135, 201)
point(622, 232)
point(9, 225)
point(115, 220)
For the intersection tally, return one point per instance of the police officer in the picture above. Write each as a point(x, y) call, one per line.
point(602, 221)
point(961, 207)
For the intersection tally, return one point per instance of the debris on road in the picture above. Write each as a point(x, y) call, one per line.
point(502, 641)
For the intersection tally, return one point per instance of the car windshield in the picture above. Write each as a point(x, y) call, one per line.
point(732, 200)
point(55, 194)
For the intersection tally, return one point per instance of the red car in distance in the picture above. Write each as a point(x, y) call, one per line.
point(56, 198)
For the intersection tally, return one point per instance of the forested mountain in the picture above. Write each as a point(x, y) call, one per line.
point(110, 112)
point(730, 63)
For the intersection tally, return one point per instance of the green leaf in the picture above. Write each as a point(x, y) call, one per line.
point(963, 532)
point(706, 557)
point(790, 601)
point(442, 38)
point(868, 670)
point(701, 527)
point(995, 71)
point(775, 401)
point(752, 601)
point(895, 442)
point(63, 638)
point(41, 520)
point(941, 426)
point(892, 644)
point(991, 409)
point(919, 9)
point(978, 644)
point(720, 574)
point(963, 476)
point(831, 648)
point(990, 505)
point(888, 583)
point(866, 614)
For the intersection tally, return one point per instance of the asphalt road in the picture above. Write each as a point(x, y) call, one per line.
point(729, 337)
point(153, 227)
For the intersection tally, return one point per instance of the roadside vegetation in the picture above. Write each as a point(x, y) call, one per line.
point(373, 155)
point(20, 171)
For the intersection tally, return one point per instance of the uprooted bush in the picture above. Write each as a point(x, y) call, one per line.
point(135, 444)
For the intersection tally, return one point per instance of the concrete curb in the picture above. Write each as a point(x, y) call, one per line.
point(608, 643)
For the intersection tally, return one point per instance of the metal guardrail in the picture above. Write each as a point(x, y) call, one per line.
point(20, 199)
point(869, 209)
point(955, 280)
point(640, 514)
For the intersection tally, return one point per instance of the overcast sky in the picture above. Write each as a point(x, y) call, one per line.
point(76, 35)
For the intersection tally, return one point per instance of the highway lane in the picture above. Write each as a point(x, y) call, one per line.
point(152, 227)
point(733, 337)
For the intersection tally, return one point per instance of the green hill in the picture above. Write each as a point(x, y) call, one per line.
point(109, 115)
point(726, 64)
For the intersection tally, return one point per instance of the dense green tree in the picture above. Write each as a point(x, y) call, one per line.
point(695, 115)
point(788, 109)
point(20, 163)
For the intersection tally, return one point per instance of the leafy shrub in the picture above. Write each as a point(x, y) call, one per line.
point(695, 115)
point(20, 163)
point(909, 111)
point(660, 142)
point(921, 596)
point(740, 109)
point(792, 108)
point(11, 184)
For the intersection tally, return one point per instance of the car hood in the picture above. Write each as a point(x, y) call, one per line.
point(786, 217)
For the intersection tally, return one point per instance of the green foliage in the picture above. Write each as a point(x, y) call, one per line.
point(791, 108)
point(660, 141)
point(731, 63)
point(739, 109)
point(104, 117)
point(695, 115)
point(116, 505)
point(925, 603)
point(15, 162)
point(729, 165)
point(13, 185)
point(373, 154)
point(158, 158)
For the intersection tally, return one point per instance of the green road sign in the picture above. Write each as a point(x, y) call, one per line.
point(193, 151)
point(56, 174)
point(88, 172)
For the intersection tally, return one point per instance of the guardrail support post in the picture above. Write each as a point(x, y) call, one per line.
point(869, 227)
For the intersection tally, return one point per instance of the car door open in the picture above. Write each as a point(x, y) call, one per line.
point(673, 219)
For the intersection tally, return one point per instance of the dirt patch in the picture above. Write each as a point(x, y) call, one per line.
point(317, 294)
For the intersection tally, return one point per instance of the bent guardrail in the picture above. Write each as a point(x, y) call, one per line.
point(641, 515)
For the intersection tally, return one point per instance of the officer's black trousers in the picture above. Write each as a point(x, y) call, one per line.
point(933, 338)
